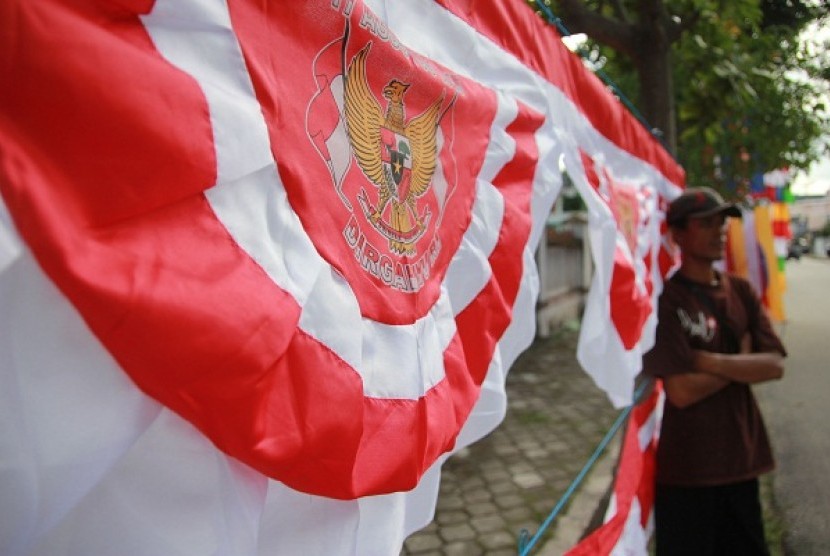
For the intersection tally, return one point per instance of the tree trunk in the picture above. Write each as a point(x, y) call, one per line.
point(653, 62)
point(647, 43)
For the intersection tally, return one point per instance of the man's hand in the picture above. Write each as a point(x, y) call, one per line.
point(746, 367)
point(687, 389)
point(713, 371)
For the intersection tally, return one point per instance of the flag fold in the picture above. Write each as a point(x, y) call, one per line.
point(264, 268)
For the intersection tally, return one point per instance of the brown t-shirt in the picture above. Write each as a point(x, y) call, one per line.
point(722, 438)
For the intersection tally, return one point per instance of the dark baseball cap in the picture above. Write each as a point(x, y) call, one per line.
point(699, 202)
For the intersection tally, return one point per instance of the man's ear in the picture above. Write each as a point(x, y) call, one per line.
point(673, 234)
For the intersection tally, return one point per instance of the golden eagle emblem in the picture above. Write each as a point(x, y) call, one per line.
point(399, 158)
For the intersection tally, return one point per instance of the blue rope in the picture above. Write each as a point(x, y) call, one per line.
point(525, 544)
point(555, 20)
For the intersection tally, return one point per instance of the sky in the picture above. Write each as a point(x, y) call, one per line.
point(814, 182)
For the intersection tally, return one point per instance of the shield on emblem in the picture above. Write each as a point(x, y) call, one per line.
point(398, 159)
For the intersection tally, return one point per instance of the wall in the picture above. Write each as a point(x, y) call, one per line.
point(565, 269)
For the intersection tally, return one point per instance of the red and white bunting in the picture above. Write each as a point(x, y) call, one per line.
point(628, 519)
point(263, 268)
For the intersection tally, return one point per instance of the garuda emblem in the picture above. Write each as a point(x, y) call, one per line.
point(397, 156)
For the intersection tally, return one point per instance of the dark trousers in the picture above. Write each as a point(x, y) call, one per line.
point(709, 521)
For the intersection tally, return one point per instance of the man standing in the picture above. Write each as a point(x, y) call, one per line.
point(713, 341)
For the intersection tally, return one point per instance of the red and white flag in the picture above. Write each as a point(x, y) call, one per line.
point(629, 518)
point(263, 268)
point(626, 244)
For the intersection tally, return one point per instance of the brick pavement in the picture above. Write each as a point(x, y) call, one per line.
point(513, 478)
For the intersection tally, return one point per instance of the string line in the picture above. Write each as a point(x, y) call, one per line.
point(553, 19)
point(525, 543)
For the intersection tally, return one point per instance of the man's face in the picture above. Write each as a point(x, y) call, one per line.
point(704, 238)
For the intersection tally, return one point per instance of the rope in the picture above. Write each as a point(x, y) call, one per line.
point(553, 19)
point(525, 543)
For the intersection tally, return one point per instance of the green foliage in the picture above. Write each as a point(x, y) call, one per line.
point(745, 103)
point(747, 92)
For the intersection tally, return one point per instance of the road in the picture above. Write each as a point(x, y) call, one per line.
point(797, 410)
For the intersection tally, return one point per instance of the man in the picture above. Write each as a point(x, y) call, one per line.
point(713, 341)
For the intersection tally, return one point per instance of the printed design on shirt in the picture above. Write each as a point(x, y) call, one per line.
point(701, 326)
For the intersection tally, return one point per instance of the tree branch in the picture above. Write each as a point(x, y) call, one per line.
point(578, 18)
point(620, 11)
point(651, 10)
point(674, 29)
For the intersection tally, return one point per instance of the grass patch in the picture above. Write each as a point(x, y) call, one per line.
point(531, 417)
point(773, 519)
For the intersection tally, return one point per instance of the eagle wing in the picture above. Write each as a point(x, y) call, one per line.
point(422, 132)
point(364, 117)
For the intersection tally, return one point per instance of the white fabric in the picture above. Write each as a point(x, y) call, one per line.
point(753, 251)
point(600, 350)
point(634, 540)
point(10, 245)
point(634, 536)
point(90, 465)
point(777, 178)
point(251, 202)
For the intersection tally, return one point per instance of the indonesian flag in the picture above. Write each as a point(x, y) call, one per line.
point(629, 518)
point(264, 267)
point(632, 255)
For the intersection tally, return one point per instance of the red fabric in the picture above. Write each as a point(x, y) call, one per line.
point(106, 152)
point(634, 478)
point(543, 51)
point(781, 228)
point(668, 255)
point(630, 304)
point(484, 313)
point(285, 77)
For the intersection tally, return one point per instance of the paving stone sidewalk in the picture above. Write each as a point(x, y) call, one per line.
point(513, 478)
